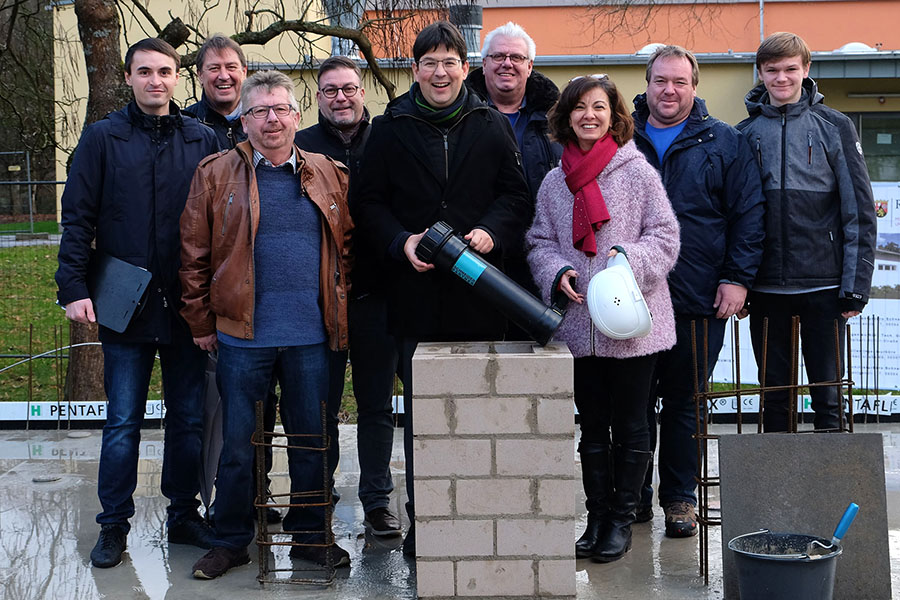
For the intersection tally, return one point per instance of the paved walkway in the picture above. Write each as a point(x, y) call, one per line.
point(47, 530)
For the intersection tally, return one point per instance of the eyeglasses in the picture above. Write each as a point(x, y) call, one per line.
point(331, 91)
point(597, 76)
point(430, 64)
point(499, 57)
point(261, 112)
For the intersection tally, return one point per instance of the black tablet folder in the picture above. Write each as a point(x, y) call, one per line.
point(116, 288)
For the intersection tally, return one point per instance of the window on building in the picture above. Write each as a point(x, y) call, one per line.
point(880, 136)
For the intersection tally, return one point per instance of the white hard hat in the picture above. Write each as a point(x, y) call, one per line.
point(615, 301)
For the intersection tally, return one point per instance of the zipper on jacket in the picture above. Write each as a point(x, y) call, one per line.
point(225, 216)
point(784, 220)
point(809, 147)
point(446, 157)
point(758, 152)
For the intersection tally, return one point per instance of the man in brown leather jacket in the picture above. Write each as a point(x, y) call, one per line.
point(265, 257)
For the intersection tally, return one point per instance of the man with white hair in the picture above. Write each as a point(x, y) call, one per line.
point(254, 214)
point(508, 82)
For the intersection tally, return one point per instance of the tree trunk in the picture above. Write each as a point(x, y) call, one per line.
point(98, 27)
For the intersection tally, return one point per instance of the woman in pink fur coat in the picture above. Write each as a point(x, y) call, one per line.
point(603, 199)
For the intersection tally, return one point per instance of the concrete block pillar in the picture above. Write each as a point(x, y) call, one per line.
point(494, 468)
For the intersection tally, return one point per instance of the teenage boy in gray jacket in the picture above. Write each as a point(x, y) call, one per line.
point(820, 227)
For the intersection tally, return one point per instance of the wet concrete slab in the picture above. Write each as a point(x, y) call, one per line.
point(48, 503)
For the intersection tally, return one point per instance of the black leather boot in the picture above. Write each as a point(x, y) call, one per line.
point(629, 467)
point(597, 479)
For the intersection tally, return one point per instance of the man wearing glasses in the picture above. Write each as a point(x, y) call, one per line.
point(508, 82)
point(438, 154)
point(265, 258)
point(341, 133)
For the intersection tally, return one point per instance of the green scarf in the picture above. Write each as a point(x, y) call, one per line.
point(443, 117)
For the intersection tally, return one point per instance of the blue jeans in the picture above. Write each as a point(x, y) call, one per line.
point(244, 376)
point(126, 379)
point(373, 354)
point(674, 381)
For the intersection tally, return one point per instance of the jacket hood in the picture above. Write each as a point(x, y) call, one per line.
point(540, 91)
point(642, 111)
point(757, 100)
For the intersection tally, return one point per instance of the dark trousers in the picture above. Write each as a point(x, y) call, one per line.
point(818, 312)
point(674, 385)
point(126, 378)
point(374, 356)
point(611, 395)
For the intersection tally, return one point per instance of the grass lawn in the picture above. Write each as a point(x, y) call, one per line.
point(28, 300)
point(39, 227)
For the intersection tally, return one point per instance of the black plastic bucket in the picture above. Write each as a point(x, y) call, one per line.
point(775, 566)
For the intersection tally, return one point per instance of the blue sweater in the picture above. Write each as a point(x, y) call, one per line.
point(287, 251)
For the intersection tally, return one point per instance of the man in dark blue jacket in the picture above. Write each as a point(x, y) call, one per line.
point(341, 133)
point(222, 68)
point(508, 82)
point(126, 190)
point(708, 169)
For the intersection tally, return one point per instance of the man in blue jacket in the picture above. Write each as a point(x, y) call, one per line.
point(221, 68)
point(820, 228)
point(713, 184)
point(126, 190)
point(508, 82)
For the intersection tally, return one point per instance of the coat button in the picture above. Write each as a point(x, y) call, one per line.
point(342, 296)
point(443, 205)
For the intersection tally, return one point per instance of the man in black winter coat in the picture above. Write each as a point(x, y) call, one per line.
point(508, 82)
point(711, 179)
point(341, 133)
point(438, 154)
point(126, 190)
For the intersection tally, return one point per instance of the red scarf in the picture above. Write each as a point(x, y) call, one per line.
point(589, 209)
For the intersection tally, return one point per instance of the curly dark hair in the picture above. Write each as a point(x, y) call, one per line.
point(621, 125)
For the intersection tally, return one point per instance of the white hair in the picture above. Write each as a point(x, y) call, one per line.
point(513, 31)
